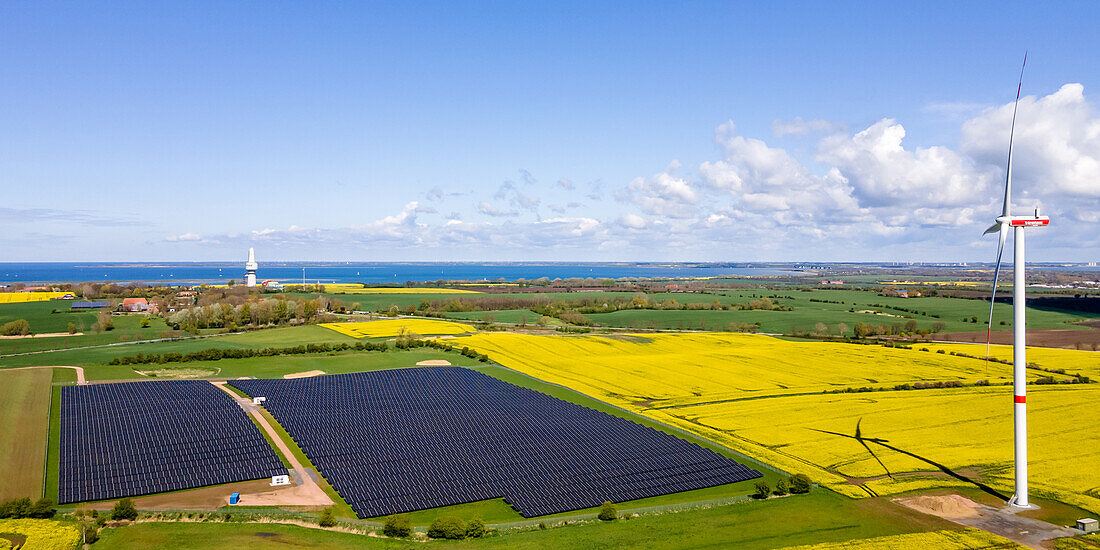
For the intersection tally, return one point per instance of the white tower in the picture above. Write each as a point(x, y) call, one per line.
point(250, 269)
point(1017, 224)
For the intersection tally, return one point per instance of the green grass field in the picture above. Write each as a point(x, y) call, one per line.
point(951, 311)
point(42, 319)
point(275, 337)
point(819, 517)
point(24, 415)
point(807, 313)
point(127, 329)
point(516, 316)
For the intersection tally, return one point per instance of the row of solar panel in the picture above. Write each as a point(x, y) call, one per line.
point(102, 489)
point(109, 455)
point(410, 439)
point(120, 440)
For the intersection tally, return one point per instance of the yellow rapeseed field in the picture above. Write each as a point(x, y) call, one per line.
point(965, 539)
point(764, 397)
point(24, 297)
point(43, 534)
point(678, 369)
point(395, 327)
point(945, 283)
point(1073, 361)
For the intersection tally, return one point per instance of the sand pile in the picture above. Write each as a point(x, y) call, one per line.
point(305, 374)
point(434, 363)
point(946, 506)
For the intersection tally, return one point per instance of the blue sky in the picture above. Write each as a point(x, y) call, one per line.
point(559, 131)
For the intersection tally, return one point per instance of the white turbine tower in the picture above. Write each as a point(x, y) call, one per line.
point(1019, 326)
point(250, 269)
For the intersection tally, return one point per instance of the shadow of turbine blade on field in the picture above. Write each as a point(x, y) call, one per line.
point(858, 436)
point(862, 441)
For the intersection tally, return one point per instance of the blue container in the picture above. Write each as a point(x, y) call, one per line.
point(234, 498)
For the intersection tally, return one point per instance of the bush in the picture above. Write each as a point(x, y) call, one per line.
point(762, 489)
point(781, 487)
point(476, 529)
point(608, 511)
point(397, 526)
point(20, 508)
point(124, 509)
point(18, 327)
point(17, 508)
point(91, 533)
point(800, 484)
point(327, 519)
point(447, 527)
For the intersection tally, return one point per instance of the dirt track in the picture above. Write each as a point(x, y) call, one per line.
point(305, 492)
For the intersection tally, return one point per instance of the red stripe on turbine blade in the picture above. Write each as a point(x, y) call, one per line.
point(1021, 398)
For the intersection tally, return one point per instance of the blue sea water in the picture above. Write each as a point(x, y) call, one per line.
point(290, 272)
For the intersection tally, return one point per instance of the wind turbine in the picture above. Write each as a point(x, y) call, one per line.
point(1019, 325)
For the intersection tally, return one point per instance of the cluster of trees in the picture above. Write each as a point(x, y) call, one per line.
point(797, 484)
point(20, 508)
point(18, 327)
point(863, 330)
point(573, 311)
point(939, 384)
point(217, 354)
point(473, 354)
point(262, 312)
point(443, 527)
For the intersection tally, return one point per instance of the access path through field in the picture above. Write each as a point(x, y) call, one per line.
point(305, 492)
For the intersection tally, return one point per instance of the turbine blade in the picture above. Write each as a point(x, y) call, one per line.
point(993, 295)
point(993, 228)
point(1011, 133)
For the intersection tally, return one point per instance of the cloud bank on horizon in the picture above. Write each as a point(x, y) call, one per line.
point(859, 195)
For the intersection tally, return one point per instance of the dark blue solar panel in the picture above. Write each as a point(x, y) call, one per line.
point(121, 440)
point(410, 439)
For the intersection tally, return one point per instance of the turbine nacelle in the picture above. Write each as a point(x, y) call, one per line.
point(1018, 221)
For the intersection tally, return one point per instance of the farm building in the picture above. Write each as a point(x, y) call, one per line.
point(135, 304)
point(89, 305)
point(273, 285)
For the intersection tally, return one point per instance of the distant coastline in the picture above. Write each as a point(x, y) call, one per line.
point(187, 273)
point(365, 272)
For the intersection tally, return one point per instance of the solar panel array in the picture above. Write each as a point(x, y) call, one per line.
point(122, 440)
point(410, 439)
